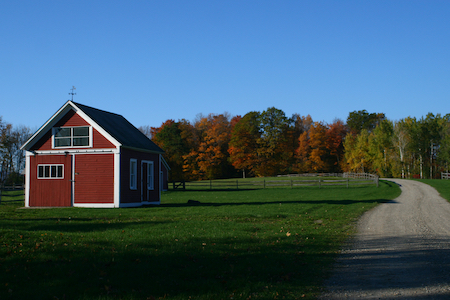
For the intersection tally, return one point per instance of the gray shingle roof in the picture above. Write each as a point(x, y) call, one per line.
point(119, 128)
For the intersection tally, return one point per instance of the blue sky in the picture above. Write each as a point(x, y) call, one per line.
point(156, 60)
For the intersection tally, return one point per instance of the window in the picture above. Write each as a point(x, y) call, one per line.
point(50, 171)
point(71, 136)
point(133, 174)
point(150, 175)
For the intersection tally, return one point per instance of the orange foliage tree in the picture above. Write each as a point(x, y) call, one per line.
point(244, 143)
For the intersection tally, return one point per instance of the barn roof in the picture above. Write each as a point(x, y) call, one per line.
point(119, 128)
point(125, 133)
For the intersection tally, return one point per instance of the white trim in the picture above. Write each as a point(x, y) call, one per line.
point(81, 151)
point(49, 124)
point(72, 181)
point(117, 157)
point(28, 154)
point(58, 116)
point(94, 205)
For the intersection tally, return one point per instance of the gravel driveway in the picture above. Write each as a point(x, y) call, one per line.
point(401, 250)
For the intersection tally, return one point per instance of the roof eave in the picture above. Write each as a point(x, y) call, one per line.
point(143, 150)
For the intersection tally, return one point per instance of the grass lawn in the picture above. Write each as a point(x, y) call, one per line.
point(442, 186)
point(274, 243)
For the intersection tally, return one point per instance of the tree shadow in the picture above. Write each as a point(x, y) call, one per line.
point(259, 203)
point(416, 267)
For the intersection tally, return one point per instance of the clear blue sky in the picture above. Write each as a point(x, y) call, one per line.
point(156, 60)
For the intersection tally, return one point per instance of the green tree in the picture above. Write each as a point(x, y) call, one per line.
point(274, 126)
point(381, 148)
point(362, 120)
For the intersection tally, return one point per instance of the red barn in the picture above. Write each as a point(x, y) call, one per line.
point(86, 157)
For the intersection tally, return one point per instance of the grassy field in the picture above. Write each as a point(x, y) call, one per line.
point(249, 244)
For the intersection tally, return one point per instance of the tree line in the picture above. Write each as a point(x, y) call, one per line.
point(269, 143)
point(12, 159)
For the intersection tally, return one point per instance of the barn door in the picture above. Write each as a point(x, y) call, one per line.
point(146, 179)
point(50, 183)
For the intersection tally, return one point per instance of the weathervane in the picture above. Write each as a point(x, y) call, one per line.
point(72, 93)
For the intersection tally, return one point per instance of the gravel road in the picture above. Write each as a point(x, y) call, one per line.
point(401, 250)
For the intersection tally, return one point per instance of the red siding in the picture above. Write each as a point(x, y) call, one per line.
point(50, 192)
point(94, 178)
point(133, 196)
point(72, 119)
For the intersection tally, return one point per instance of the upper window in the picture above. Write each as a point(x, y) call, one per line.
point(72, 137)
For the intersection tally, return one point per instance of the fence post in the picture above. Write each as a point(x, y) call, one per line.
point(184, 185)
point(210, 184)
point(319, 183)
point(347, 182)
point(264, 183)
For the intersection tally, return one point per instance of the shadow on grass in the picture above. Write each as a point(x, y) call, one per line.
point(336, 202)
point(212, 269)
point(201, 269)
point(74, 224)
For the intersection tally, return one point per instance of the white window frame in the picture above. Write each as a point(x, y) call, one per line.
point(54, 138)
point(133, 174)
point(150, 175)
point(50, 173)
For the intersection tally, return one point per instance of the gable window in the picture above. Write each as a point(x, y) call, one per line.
point(72, 136)
point(50, 171)
point(133, 174)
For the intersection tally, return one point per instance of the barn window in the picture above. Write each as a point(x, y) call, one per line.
point(150, 176)
point(133, 174)
point(50, 171)
point(72, 136)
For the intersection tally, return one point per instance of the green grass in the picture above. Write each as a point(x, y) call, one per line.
point(442, 186)
point(246, 244)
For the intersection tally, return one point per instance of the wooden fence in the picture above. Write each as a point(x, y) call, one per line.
point(346, 179)
point(10, 188)
point(445, 175)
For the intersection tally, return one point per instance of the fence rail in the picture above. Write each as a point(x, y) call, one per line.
point(13, 187)
point(329, 179)
point(445, 175)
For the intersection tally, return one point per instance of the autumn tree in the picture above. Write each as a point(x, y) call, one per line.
point(318, 156)
point(169, 138)
point(336, 134)
point(357, 152)
point(243, 148)
point(213, 150)
point(208, 157)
